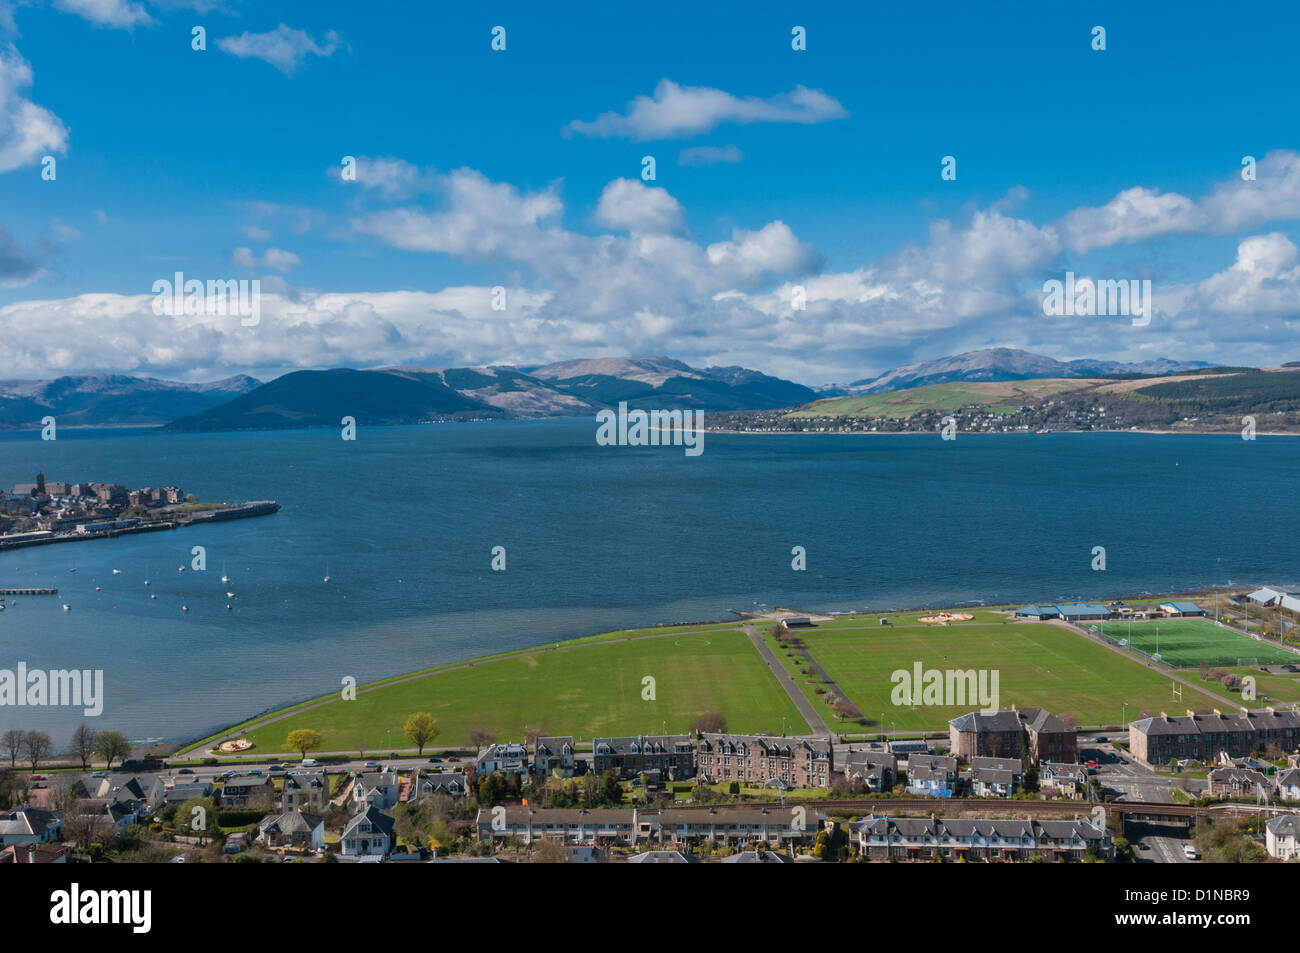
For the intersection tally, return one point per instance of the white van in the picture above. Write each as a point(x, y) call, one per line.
point(310, 763)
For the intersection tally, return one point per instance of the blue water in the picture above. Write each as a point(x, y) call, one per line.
point(404, 520)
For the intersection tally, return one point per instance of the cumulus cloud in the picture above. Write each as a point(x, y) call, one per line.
point(119, 14)
point(284, 47)
point(1139, 214)
point(676, 112)
point(27, 131)
point(632, 206)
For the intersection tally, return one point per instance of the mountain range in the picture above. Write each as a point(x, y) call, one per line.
point(1008, 364)
point(410, 394)
point(110, 400)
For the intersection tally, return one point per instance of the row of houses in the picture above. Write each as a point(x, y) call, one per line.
point(920, 838)
point(779, 761)
point(1163, 738)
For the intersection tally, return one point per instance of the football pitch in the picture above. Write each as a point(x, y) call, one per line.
point(1038, 665)
point(1186, 643)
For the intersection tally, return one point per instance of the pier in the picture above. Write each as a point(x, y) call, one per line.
point(29, 592)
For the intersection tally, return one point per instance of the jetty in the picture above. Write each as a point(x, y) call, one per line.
point(29, 592)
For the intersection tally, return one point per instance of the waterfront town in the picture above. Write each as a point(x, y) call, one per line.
point(1019, 785)
point(57, 511)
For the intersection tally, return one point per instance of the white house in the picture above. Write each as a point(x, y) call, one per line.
point(1282, 836)
point(1275, 597)
point(1288, 784)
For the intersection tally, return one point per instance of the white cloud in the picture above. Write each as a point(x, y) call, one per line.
point(675, 112)
point(390, 177)
point(27, 131)
point(120, 14)
point(276, 259)
point(632, 206)
point(284, 48)
point(709, 155)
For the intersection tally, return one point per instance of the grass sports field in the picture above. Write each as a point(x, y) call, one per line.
point(581, 689)
point(1185, 643)
point(1039, 665)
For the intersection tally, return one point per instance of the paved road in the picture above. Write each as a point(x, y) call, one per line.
point(801, 702)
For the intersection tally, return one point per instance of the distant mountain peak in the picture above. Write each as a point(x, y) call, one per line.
point(1007, 364)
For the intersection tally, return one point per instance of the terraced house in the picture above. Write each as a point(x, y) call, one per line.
point(1164, 738)
point(670, 757)
point(929, 838)
point(764, 760)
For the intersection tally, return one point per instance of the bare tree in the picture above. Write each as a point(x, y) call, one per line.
point(83, 829)
point(36, 747)
point(83, 745)
point(710, 721)
point(481, 737)
point(12, 742)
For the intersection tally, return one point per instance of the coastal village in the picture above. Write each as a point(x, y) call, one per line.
point(57, 511)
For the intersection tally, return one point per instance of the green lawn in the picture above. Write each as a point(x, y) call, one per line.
point(1038, 665)
point(587, 690)
point(1185, 643)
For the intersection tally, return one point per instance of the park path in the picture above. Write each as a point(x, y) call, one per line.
point(801, 702)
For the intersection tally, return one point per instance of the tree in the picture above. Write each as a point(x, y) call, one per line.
point(549, 852)
point(112, 746)
point(12, 743)
point(83, 745)
point(481, 737)
point(197, 816)
point(710, 721)
point(36, 746)
point(421, 728)
point(303, 740)
point(84, 829)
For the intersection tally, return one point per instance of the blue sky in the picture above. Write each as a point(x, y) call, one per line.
point(480, 168)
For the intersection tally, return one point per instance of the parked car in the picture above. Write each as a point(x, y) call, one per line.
point(274, 768)
point(185, 771)
point(1190, 852)
point(228, 774)
point(435, 760)
point(452, 757)
point(39, 777)
point(99, 774)
point(255, 773)
point(1102, 739)
point(373, 765)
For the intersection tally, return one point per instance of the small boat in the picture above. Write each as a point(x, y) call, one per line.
point(67, 608)
point(227, 606)
point(117, 572)
point(185, 608)
point(327, 573)
point(224, 578)
point(153, 597)
point(180, 568)
point(146, 582)
point(72, 570)
point(99, 588)
point(230, 595)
